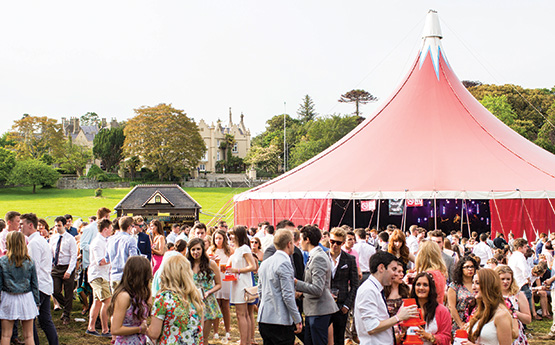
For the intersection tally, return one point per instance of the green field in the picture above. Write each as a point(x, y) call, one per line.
point(81, 203)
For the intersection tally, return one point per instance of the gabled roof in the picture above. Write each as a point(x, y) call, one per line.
point(430, 139)
point(139, 197)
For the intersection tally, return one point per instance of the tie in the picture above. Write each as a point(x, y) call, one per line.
point(57, 254)
point(393, 327)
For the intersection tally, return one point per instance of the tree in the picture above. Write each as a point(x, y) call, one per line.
point(5, 141)
point(306, 110)
point(227, 146)
point(74, 157)
point(33, 172)
point(165, 140)
point(89, 119)
point(7, 162)
point(358, 97)
point(132, 164)
point(108, 147)
point(546, 135)
point(264, 158)
point(36, 136)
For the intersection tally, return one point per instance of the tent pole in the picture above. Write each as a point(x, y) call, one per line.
point(354, 215)
point(378, 219)
point(404, 218)
point(462, 215)
point(435, 212)
point(468, 222)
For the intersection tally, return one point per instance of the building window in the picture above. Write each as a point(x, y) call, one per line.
point(205, 157)
point(235, 148)
point(202, 167)
point(158, 199)
point(218, 156)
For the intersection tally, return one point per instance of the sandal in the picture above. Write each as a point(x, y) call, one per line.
point(537, 317)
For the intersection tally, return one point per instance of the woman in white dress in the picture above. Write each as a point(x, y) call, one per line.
point(242, 264)
point(492, 324)
point(221, 250)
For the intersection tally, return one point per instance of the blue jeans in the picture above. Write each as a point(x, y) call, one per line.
point(45, 321)
point(528, 293)
point(316, 329)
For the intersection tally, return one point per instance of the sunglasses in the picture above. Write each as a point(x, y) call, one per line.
point(336, 242)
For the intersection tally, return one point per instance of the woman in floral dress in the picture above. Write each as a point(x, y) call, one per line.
point(177, 308)
point(460, 296)
point(207, 279)
point(516, 302)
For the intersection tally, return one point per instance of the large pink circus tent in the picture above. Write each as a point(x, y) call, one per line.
point(431, 140)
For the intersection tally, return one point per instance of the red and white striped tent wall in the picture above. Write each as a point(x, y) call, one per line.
point(430, 140)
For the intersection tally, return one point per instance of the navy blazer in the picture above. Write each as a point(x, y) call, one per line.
point(143, 243)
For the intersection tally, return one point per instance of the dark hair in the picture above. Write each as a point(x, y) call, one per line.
point(104, 224)
point(351, 233)
point(31, 218)
point(198, 226)
point(384, 236)
point(180, 245)
point(458, 271)
point(270, 229)
point(12, 214)
point(312, 233)
point(115, 224)
point(241, 237)
point(380, 258)
point(137, 274)
point(159, 230)
point(361, 233)
point(68, 216)
point(431, 304)
point(285, 223)
point(102, 212)
point(204, 262)
point(436, 233)
point(483, 237)
point(60, 219)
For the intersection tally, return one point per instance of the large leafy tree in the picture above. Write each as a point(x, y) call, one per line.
point(89, 119)
point(227, 146)
point(33, 172)
point(546, 135)
point(5, 141)
point(165, 140)
point(108, 147)
point(7, 162)
point(500, 107)
point(37, 136)
point(357, 97)
point(306, 111)
point(264, 158)
point(74, 157)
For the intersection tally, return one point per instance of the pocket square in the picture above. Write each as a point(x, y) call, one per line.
point(344, 266)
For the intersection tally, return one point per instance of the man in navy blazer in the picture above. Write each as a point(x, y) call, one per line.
point(143, 240)
point(278, 312)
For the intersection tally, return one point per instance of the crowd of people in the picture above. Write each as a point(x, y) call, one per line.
point(139, 282)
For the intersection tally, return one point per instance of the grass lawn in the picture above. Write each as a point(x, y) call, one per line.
point(49, 203)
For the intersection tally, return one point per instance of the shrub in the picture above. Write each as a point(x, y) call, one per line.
point(98, 192)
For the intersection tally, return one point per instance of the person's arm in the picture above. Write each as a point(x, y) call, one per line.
point(155, 328)
point(503, 323)
point(452, 302)
point(73, 257)
point(318, 275)
point(160, 246)
point(403, 314)
point(286, 278)
point(34, 284)
point(123, 301)
point(250, 262)
point(353, 284)
point(523, 312)
point(411, 257)
point(217, 280)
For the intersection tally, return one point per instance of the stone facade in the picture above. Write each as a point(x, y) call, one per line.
point(87, 183)
point(214, 134)
point(84, 135)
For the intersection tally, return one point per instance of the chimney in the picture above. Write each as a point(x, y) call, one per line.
point(230, 120)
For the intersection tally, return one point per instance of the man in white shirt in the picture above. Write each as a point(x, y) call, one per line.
point(12, 224)
point(40, 253)
point(172, 237)
point(483, 250)
point(412, 239)
point(268, 238)
point(64, 253)
point(365, 252)
point(521, 269)
point(99, 278)
point(373, 323)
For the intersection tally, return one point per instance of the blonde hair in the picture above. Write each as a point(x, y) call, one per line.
point(429, 258)
point(177, 276)
point(17, 250)
point(503, 269)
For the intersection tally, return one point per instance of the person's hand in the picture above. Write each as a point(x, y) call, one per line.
point(143, 327)
point(422, 334)
point(206, 294)
point(406, 313)
point(467, 342)
point(298, 327)
point(102, 262)
point(66, 276)
point(298, 295)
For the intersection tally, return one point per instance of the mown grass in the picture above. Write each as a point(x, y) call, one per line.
point(81, 203)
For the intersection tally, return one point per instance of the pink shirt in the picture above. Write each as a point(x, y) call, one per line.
point(352, 252)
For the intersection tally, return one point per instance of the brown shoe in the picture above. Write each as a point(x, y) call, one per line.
point(549, 336)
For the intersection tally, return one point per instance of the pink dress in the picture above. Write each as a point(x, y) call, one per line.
point(156, 261)
point(132, 320)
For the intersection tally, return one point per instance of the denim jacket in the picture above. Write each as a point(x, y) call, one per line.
point(17, 280)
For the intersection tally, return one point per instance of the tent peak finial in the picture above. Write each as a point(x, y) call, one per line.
point(432, 28)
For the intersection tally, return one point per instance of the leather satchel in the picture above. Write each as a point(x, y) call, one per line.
point(251, 294)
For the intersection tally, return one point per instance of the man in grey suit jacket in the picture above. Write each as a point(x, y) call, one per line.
point(318, 304)
point(277, 311)
point(438, 237)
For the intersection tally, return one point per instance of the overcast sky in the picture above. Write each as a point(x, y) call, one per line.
point(66, 58)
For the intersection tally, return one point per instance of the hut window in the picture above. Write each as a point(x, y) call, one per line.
point(158, 199)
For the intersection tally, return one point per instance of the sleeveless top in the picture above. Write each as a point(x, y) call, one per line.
point(488, 336)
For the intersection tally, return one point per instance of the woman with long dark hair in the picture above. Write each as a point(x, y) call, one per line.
point(130, 305)
point(222, 251)
point(437, 329)
point(206, 275)
point(460, 296)
point(242, 264)
point(158, 244)
point(492, 322)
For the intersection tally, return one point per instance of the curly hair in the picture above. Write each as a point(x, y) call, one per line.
point(404, 250)
point(458, 271)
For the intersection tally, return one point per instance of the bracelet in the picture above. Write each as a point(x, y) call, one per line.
point(397, 318)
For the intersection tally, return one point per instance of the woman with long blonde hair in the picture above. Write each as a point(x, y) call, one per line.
point(429, 260)
point(177, 307)
point(516, 301)
point(492, 323)
point(20, 290)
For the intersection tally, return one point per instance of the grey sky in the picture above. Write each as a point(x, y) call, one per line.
point(65, 58)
